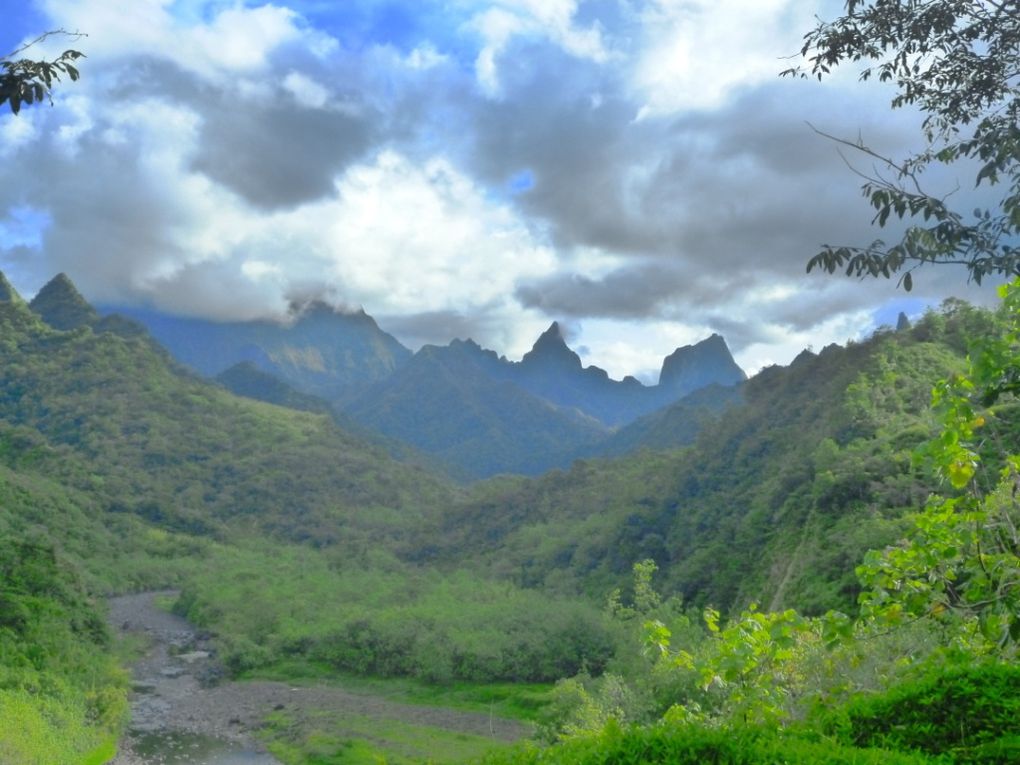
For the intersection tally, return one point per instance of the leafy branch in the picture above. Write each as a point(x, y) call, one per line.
point(28, 81)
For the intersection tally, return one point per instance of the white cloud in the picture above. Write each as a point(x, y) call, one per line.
point(410, 238)
point(305, 90)
point(552, 20)
point(696, 52)
point(236, 40)
point(17, 131)
point(635, 348)
point(151, 171)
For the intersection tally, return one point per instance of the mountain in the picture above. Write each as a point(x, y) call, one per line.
point(246, 379)
point(7, 292)
point(481, 414)
point(776, 501)
point(61, 305)
point(476, 412)
point(551, 370)
point(696, 366)
point(554, 372)
point(675, 425)
point(112, 413)
point(446, 402)
point(323, 352)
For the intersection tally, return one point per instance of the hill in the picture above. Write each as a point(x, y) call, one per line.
point(160, 442)
point(775, 502)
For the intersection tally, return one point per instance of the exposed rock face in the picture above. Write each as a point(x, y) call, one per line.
point(696, 366)
point(60, 305)
point(902, 322)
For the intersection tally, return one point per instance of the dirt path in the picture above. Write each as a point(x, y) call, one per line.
point(172, 694)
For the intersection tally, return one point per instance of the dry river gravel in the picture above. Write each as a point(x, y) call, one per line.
point(181, 714)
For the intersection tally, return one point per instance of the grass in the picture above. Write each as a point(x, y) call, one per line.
point(518, 701)
point(325, 739)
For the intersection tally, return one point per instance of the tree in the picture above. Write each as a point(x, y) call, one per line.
point(960, 562)
point(958, 62)
point(27, 81)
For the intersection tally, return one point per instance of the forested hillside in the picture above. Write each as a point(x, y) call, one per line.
point(776, 501)
point(302, 545)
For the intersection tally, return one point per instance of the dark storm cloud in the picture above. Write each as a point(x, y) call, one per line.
point(707, 206)
point(626, 293)
point(278, 154)
point(111, 217)
point(267, 147)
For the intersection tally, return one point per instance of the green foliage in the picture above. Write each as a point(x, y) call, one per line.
point(61, 695)
point(691, 744)
point(968, 712)
point(777, 502)
point(328, 739)
point(110, 416)
point(960, 562)
point(747, 668)
point(956, 61)
point(387, 620)
point(932, 607)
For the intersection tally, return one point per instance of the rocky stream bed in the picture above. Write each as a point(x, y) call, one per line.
point(183, 712)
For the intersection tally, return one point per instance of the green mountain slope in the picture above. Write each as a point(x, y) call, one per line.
point(675, 425)
point(246, 379)
point(444, 403)
point(156, 441)
point(291, 538)
point(776, 501)
point(498, 416)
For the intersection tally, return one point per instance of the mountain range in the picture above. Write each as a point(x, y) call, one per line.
point(474, 411)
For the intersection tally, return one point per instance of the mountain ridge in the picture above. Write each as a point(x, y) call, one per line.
point(346, 359)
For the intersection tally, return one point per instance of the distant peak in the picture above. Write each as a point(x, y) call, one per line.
point(551, 338)
point(551, 348)
point(7, 292)
point(694, 366)
point(61, 306)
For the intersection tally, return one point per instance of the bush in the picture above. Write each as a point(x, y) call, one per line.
point(970, 713)
point(695, 745)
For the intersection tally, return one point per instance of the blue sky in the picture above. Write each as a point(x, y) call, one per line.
point(635, 170)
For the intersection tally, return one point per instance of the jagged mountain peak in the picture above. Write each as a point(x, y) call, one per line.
point(551, 348)
point(7, 292)
point(694, 366)
point(61, 305)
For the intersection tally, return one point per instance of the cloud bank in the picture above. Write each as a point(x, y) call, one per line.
point(458, 169)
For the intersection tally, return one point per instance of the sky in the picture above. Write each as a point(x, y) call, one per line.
point(637, 171)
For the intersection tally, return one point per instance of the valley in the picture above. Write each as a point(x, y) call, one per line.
point(357, 603)
point(531, 510)
point(182, 711)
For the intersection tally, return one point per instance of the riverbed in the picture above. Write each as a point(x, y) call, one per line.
point(183, 712)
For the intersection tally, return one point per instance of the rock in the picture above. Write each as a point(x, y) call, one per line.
point(192, 656)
